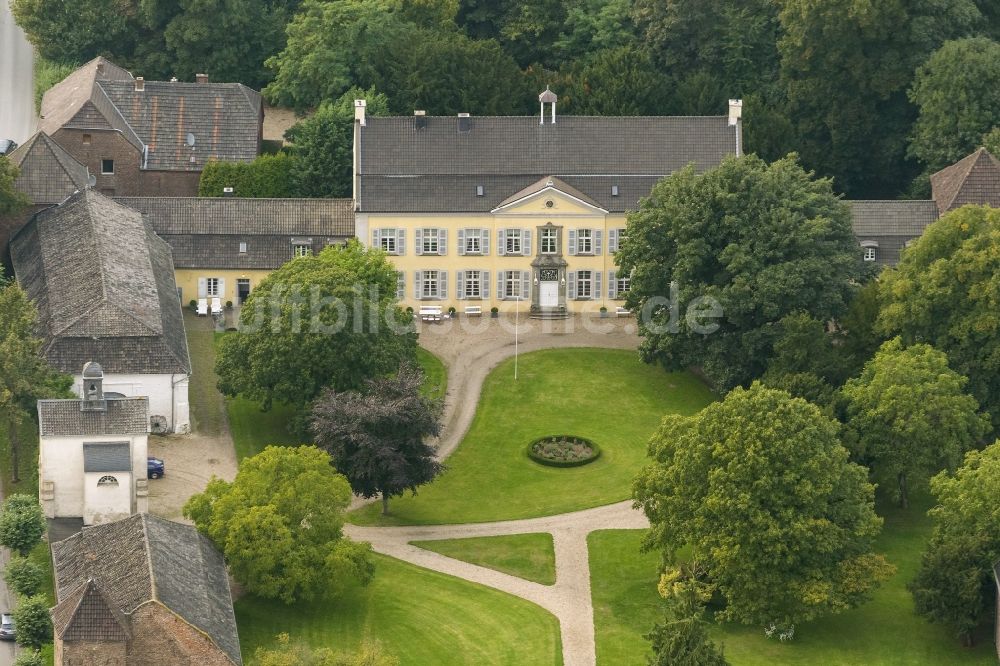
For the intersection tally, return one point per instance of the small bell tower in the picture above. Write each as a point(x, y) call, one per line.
point(93, 389)
point(547, 97)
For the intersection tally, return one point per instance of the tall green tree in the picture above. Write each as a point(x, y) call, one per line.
point(954, 585)
point(378, 436)
point(329, 320)
point(753, 242)
point(957, 92)
point(682, 638)
point(846, 66)
point(11, 200)
point(81, 31)
point(908, 416)
point(760, 491)
point(22, 523)
point(323, 144)
point(25, 376)
point(943, 293)
point(33, 622)
point(279, 524)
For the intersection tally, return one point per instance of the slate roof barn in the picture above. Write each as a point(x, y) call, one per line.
point(106, 573)
point(104, 286)
point(48, 173)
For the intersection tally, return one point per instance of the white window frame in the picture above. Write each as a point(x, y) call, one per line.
point(870, 253)
point(588, 281)
point(387, 241)
point(585, 241)
point(473, 284)
point(104, 160)
point(301, 250)
point(622, 286)
point(431, 278)
point(514, 245)
point(474, 241)
point(550, 238)
point(212, 287)
point(511, 285)
point(431, 241)
point(243, 248)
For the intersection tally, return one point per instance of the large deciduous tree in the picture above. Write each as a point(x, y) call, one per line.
point(25, 376)
point(908, 416)
point(11, 200)
point(954, 585)
point(763, 241)
point(944, 293)
point(759, 490)
point(957, 92)
point(846, 66)
point(22, 523)
point(323, 144)
point(614, 82)
point(279, 524)
point(326, 320)
point(377, 437)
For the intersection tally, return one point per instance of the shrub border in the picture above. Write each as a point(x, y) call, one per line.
point(563, 463)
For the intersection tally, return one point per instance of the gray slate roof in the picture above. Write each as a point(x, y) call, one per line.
point(891, 224)
point(123, 417)
point(107, 457)
point(437, 168)
point(48, 173)
point(104, 286)
point(225, 118)
point(206, 232)
point(87, 614)
point(144, 558)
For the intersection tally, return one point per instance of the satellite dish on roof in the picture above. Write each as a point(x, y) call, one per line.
point(190, 139)
point(91, 180)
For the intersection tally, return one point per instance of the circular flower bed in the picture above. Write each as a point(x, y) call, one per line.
point(563, 451)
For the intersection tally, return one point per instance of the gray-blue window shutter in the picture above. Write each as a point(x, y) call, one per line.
point(419, 234)
point(572, 242)
point(442, 241)
point(400, 285)
point(525, 284)
point(597, 242)
point(500, 285)
point(501, 242)
point(612, 285)
point(596, 293)
point(377, 238)
point(418, 284)
point(442, 284)
point(460, 285)
point(572, 284)
point(484, 284)
point(484, 241)
point(461, 241)
point(400, 242)
point(612, 241)
point(526, 243)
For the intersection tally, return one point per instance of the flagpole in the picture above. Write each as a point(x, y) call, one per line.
point(517, 319)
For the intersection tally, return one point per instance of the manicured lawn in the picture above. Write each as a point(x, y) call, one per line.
point(528, 556)
point(435, 374)
point(420, 616)
point(609, 396)
point(208, 410)
point(883, 632)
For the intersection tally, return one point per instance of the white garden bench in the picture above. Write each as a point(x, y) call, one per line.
point(473, 310)
point(430, 313)
point(622, 312)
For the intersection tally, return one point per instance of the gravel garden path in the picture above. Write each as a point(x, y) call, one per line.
point(470, 349)
point(569, 599)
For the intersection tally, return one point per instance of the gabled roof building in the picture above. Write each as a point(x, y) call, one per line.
point(142, 591)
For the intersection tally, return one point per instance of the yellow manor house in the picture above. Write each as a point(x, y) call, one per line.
point(524, 211)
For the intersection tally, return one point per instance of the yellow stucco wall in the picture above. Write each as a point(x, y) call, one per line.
point(187, 281)
point(532, 213)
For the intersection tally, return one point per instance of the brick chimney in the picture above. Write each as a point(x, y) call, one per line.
point(140, 84)
point(201, 78)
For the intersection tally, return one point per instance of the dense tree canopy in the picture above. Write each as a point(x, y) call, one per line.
point(759, 490)
point(763, 241)
point(908, 416)
point(957, 92)
point(279, 525)
point(22, 523)
point(954, 585)
point(377, 437)
point(11, 200)
point(318, 321)
point(846, 67)
point(944, 293)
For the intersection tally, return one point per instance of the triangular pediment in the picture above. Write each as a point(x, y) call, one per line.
point(549, 196)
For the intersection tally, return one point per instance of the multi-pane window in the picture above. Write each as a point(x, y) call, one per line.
point(386, 240)
point(212, 287)
point(550, 239)
point(431, 283)
point(615, 239)
point(585, 241)
point(513, 241)
point(301, 250)
point(473, 241)
point(473, 284)
point(430, 242)
point(622, 285)
point(584, 284)
point(870, 254)
point(512, 284)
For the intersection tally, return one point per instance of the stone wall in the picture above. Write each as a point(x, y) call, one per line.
point(160, 637)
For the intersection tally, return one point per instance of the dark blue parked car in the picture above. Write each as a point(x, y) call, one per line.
point(154, 468)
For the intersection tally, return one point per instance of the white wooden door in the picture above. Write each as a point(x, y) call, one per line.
point(548, 294)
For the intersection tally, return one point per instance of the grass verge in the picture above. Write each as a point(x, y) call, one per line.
point(606, 395)
point(527, 556)
point(421, 616)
